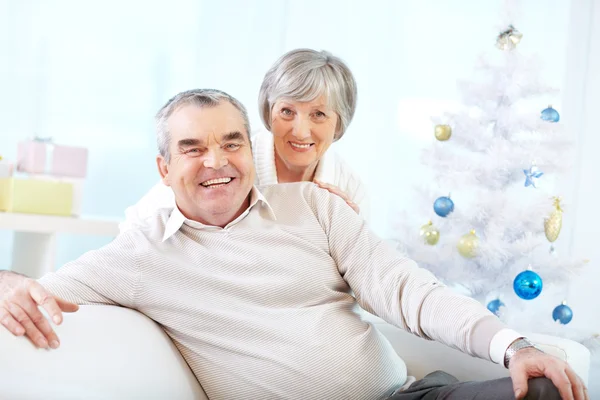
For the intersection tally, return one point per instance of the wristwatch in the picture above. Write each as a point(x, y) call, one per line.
point(519, 344)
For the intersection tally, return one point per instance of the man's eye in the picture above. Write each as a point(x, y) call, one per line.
point(192, 151)
point(232, 146)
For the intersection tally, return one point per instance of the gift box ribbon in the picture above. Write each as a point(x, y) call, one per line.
point(49, 152)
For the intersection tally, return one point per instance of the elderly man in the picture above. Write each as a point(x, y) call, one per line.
point(254, 284)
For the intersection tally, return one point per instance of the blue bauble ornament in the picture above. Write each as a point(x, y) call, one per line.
point(528, 285)
point(494, 306)
point(562, 314)
point(550, 114)
point(443, 206)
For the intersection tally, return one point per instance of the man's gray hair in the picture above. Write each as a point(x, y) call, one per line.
point(304, 75)
point(200, 98)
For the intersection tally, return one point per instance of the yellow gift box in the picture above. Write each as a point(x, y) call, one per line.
point(36, 196)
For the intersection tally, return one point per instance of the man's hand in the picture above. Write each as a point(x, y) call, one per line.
point(336, 190)
point(19, 313)
point(531, 363)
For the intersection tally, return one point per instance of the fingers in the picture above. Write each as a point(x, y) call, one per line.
point(335, 190)
point(31, 330)
point(519, 380)
point(20, 313)
point(66, 306)
point(354, 206)
point(40, 322)
point(562, 382)
point(46, 301)
point(7, 320)
point(579, 392)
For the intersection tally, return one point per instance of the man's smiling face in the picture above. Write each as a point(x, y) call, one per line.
point(211, 170)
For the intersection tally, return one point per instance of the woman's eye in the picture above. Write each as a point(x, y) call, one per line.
point(320, 114)
point(286, 111)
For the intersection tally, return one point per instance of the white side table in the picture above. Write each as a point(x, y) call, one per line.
point(34, 246)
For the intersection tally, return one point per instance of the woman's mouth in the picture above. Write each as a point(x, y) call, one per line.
point(301, 147)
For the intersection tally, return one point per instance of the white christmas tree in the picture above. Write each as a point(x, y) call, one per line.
point(495, 167)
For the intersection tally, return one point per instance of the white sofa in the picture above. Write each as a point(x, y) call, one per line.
point(116, 353)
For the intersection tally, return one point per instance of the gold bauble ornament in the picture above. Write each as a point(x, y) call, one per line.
point(553, 223)
point(443, 132)
point(467, 245)
point(430, 234)
point(509, 39)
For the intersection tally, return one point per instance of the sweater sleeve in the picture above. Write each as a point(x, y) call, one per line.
point(108, 276)
point(396, 289)
point(160, 196)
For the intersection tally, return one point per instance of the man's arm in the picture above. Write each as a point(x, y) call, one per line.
point(394, 288)
point(106, 276)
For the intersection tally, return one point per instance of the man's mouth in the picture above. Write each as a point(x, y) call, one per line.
point(215, 183)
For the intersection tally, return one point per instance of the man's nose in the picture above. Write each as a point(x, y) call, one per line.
point(301, 130)
point(215, 159)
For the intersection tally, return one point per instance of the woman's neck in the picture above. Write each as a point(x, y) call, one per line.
point(286, 174)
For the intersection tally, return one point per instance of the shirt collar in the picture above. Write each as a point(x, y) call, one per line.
point(177, 219)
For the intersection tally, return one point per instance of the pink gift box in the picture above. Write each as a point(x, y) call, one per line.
point(41, 156)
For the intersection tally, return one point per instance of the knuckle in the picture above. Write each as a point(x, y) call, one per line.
point(37, 318)
point(21, 317)
point(28, 285)
point(45, 298)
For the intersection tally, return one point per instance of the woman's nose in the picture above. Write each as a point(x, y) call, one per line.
point(301, 129)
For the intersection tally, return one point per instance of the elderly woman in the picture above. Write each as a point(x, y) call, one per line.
point(306, 102)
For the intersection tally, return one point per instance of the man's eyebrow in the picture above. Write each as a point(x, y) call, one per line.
point(189, 142)
point(235, 135)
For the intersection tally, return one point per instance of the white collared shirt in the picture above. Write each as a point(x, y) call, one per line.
point(177, 219)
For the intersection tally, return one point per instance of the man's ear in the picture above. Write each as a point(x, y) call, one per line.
point(163, 169)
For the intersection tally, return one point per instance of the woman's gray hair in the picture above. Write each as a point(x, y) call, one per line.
point(200, 98)
point(304, 75)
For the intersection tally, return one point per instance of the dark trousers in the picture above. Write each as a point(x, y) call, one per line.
point(439, 385)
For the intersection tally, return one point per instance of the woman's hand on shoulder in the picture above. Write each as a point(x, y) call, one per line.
point(337, 191)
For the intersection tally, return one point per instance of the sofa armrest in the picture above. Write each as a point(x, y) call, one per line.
point(106, 352)
point(424, 356)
